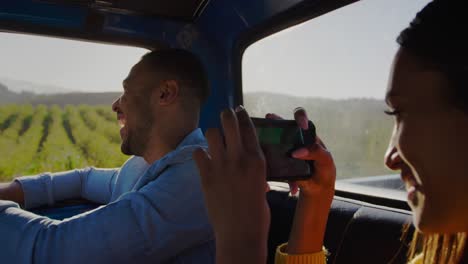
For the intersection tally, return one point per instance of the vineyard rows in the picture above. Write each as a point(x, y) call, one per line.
point(49, 139)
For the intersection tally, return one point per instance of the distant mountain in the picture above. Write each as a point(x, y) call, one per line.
point(76, 99)
point(261, 103)
point(32, 87)
point(3, 88)
point(7, 96)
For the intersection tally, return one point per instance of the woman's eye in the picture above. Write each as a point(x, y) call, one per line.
point(392, 112)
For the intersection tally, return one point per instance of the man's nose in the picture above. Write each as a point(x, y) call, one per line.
point(392, 158)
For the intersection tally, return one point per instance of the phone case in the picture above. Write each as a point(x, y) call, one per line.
point(280, 165)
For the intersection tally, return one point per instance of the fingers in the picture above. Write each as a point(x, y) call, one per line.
point(231, 132)
point(239, 133)
point(293, 187)
point(320, 142)
point(301, 118)
point(300, 153)
point(315, 152)
point(273, 116)
point(247, 131)
point(215, 143)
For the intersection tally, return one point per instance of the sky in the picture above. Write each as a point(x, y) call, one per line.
point(344, 54)
point(72, 65)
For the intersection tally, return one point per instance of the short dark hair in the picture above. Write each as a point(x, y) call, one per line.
point(439, 35)
point(183, 67)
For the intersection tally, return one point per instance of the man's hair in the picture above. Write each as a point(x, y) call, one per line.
point(183, 67)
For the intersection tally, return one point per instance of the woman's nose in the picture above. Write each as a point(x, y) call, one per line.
point(392, 158)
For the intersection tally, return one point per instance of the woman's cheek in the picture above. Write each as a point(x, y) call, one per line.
point(403, 141)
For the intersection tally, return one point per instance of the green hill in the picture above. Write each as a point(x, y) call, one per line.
point(7, 96)
point(73, 98)
point(76, 99)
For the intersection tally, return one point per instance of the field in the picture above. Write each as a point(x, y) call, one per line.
point(35, 139)
point(40, 138)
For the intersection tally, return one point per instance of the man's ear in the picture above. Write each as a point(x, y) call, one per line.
point(167, 92)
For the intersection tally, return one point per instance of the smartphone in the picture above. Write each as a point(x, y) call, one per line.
point(278, 139)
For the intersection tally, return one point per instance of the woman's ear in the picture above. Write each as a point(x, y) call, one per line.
point(167, 92)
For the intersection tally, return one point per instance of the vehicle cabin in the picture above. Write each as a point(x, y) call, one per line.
point(249, 48)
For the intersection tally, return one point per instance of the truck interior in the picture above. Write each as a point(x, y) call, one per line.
point(369, 222)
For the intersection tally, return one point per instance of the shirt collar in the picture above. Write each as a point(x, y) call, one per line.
point(182, 153)
point(195, 137)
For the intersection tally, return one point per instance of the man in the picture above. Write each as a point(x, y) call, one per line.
point(154, 208)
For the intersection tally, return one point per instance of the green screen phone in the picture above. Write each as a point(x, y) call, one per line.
point(278, 139)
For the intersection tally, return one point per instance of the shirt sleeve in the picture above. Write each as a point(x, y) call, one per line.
point(90, 183)
point(146, 226)
point(314, 258)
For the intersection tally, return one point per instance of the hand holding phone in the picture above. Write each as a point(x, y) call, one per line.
point(278, 139)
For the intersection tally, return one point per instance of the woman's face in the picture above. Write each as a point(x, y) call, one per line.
point(429, 145)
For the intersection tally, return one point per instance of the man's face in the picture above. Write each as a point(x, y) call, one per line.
point(134, 111)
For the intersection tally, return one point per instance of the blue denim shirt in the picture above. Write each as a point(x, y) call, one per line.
point(153, 214)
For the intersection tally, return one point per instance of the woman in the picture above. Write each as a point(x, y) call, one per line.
point(427, 95)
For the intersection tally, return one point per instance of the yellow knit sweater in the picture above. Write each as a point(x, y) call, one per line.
point(314, 258)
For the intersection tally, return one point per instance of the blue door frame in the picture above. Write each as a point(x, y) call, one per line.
point(219, 35)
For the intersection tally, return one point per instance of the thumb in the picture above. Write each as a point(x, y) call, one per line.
point(314, 152)
point(293, 187)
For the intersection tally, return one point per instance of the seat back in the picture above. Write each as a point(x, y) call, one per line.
point(357, 232)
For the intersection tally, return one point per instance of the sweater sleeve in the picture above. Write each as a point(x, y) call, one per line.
point(314, 258)
point(417, 260)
